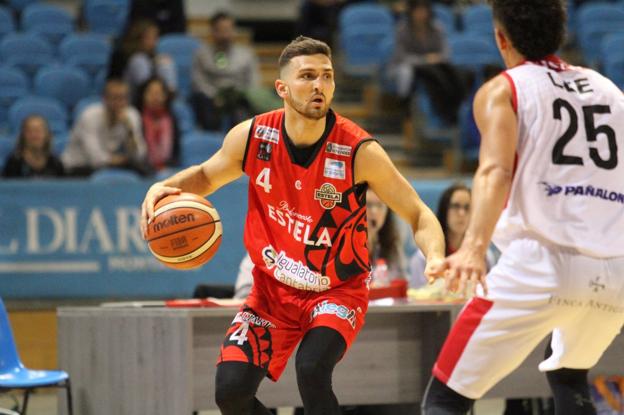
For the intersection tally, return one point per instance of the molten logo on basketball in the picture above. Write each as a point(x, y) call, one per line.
point(173, 220)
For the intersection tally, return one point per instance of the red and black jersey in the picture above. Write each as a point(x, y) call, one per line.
point(306, 224)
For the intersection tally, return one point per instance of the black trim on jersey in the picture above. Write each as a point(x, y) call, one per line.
point(304, 156)
point(251, 127)
point(357, 147)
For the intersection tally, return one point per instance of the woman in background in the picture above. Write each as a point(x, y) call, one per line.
point(454, 215)
point(136, 60)
point(160, 127)
point(32, 157)
point(385, 247)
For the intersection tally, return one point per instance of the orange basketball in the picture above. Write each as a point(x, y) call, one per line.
point(185, 232)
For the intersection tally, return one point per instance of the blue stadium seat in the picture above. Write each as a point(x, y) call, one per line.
point(51, 22)
point(614, 70)
point(19, 5)
point(49, 108)
point(197, 147)
point(7, 25)
point(89, 52)
point(27, 51)
point(445, 16)
point(594, 22)
point(65, 83)
point(106, 16)
point(366, 33)
point(113, 175)
point(181, 48)
point(99, 82)
point(13, 85)
point(612, 45)
point(59, 142)
point(7, 145)
point(473, 51)
point(477, 19)
point(184, 116)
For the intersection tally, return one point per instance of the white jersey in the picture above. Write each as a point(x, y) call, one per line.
point(568, 186)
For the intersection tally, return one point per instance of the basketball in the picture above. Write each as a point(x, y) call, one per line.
point(185, 232)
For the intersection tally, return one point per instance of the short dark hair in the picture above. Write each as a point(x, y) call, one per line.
point(303, 45)
point(536, 28)
point(218, 16)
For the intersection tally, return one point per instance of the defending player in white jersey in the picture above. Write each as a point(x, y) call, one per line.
point(550, 190)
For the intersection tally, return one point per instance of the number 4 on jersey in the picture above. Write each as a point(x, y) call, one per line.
point(263, 179)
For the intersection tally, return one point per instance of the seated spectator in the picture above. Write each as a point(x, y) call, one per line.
point(318, 19)
point(222, 74)
point(107, 134)
point(32, 157)
point(136, 60)
point(169, 15)
point(421, 59)
point(160, 128)
point(385, 248)
point(454, 215)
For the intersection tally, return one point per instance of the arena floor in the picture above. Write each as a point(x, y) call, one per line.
point(44, 403)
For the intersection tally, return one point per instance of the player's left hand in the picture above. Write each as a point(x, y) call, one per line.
point(465, 269)
point(434, 269)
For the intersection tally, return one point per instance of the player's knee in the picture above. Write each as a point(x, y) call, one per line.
point(313, 371)
point(231, 389)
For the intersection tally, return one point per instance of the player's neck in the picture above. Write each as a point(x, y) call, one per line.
point(513, 58)
point(303, 131)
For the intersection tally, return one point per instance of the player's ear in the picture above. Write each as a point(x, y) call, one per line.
point(281, 88)
point(501, 39)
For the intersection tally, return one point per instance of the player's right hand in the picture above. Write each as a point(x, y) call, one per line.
point(154, 194)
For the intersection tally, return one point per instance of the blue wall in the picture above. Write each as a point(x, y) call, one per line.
point(78, 239)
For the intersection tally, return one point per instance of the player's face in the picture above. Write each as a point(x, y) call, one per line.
point(459, 212)
point(308, 85)
point(376, 212)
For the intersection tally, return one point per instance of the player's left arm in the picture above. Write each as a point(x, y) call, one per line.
point(498, 125)
point(373, 166)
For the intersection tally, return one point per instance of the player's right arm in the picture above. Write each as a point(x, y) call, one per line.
point(224, 166)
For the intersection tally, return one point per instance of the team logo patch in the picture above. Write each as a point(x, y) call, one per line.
point(264, 151)
point(338, 149)
point(551, 189)
point(328, 196)
point(334, 169)
point(338, 310)
point(266, 133)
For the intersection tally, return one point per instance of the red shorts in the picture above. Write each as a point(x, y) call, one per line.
point(275, 317)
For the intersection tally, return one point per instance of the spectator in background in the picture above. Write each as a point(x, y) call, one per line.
point(222, 75)
point(318, 19)
point(385, 246)
point(421, 60)
point(32, 157)
point(453, 214)
point(160, 128)
point(136, 59)
point(107, 134)
point(169, 15)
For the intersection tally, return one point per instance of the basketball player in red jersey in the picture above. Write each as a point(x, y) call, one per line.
point(549, 190)
point(305, 232)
